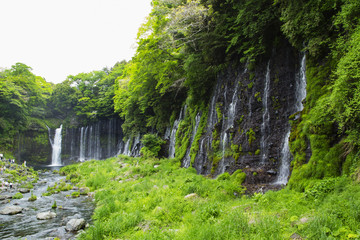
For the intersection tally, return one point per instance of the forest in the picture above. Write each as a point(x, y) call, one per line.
point(183, 49)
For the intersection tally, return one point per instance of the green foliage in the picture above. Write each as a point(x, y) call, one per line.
point(32, 198)
point(17, 195)
point(54, 204)
point(152, 145)
point(75, 194)
point(22, 96)
point(153, 205)
point(250, 135)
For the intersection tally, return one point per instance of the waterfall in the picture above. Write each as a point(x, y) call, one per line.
point(301, 85)
point(228, 123)
point(187, 159)
point(127, 151)
point(56, 148)
point(167, 133)
point(300, 94)
point(135, 151)
point(97, 154)
point(173, 133)
point(201, 160)
point(265, 117)
point(82, 145)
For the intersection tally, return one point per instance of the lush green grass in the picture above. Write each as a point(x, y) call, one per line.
point(145, 199)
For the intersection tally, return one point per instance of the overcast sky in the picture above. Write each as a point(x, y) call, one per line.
point(57, 38)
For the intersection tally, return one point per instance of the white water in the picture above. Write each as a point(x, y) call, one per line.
point(266, 117)
point(127, 151)
point(300, 94)
point(56, 148)
point(173, 133)
point(82, 145)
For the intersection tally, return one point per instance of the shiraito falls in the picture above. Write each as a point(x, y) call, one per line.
point(248, 117)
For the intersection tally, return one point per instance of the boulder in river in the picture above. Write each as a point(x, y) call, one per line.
point(75, 224)
point(11, 210)
point(84, 190)
point(24, 190)
point(4, 197)
point(45, 215)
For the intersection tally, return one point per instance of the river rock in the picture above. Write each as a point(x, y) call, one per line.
point(75, 224)
point(84, 190)
point(5, 201)
point(45, 215)
point(11, 210)
point(24, 190)
point(4, 197)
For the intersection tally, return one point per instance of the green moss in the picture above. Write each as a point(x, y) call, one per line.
point(250, 85)
point(250, 135)
point(75, 194)
point(258, 96)
point(218, 111)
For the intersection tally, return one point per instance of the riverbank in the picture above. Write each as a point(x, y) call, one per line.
point(140, 198)
point(36, 213)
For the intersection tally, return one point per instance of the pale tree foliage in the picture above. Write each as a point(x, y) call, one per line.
point(176, 22)
point(186, 22)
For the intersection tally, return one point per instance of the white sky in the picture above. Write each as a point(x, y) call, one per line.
point(57, 38)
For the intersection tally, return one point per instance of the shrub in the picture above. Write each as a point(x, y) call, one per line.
point(152, 145)
point(17, 196)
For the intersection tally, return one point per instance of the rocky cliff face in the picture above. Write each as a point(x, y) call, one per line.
point(247, 124)
point(248, 117)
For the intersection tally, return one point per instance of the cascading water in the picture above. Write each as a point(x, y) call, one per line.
point(187, 159)
point(265, 117)
point(228, 123)
point(173, 133)
point(300, 95)
point(82, 145)
point(56, 148)
point(127, 151)
point(135, 151)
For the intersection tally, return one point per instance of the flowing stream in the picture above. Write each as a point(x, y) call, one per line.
point(300, 94)
point(265, 117)
point(26, 226)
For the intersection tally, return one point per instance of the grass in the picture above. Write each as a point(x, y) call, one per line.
point(134, 200)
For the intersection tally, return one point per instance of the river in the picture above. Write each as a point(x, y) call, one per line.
point(26, 226)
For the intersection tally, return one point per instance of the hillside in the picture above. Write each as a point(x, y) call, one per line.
point(267, 87)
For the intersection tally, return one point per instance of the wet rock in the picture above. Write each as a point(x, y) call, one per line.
point(5, 201)
point(24, 190)
point(75, 224)
point(84, 190)
point(271, 172)
point(91, 194)
point(45, 215)
point(4, 197)
point(11, 210)
point(60, 233)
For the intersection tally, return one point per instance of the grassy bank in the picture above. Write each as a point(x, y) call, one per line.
point(155, 199)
